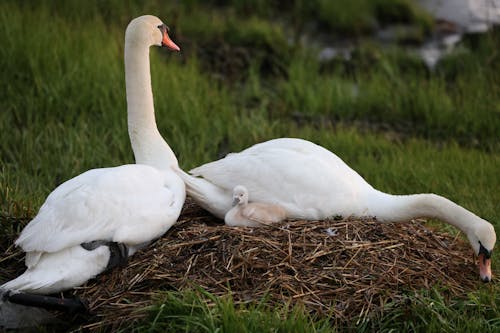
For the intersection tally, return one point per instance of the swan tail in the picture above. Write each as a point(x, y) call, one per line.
point(63, 270)
point(27, 282)
point(209, 196)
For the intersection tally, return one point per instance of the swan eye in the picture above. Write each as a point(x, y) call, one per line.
point(163, 28)
point(482, 250)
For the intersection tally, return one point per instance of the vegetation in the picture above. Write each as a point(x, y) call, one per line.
point(242, 79)
point(192, 311)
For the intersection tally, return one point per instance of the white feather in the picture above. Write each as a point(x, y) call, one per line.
point(310, 182)
point(129, 204)
point(112, 204)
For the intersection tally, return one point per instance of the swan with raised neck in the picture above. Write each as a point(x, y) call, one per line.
point(147, 143)
point(108, 212)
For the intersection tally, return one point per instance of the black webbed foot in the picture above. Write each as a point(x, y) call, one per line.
point(118, 252)
point(69, 305)
point(119, 255)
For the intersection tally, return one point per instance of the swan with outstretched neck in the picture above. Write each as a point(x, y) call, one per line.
point(96, 220)
point(310, 182)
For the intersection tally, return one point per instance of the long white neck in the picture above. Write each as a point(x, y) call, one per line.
point(402, 208)
point(147, 143)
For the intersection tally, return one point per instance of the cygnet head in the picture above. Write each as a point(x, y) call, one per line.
point(240, 195)
point(483, 239)
point(149, 30)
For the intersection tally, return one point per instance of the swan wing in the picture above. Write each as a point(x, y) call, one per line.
point(307, 180)
point(132, 204)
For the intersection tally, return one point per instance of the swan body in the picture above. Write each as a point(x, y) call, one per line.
point(253, 214)
point(69, 241)
point(310, 182)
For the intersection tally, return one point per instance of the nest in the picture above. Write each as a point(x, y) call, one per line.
point(345, 269)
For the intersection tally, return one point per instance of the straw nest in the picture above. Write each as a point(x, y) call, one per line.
point(342, 268)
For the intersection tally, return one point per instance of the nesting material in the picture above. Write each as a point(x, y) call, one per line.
point(346, 269)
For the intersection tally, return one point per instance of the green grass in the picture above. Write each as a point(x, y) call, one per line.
point(390, 87)
point(200, 311)
point(405, 129)
point(359, 17)
point(341, 17)
point(428, 311)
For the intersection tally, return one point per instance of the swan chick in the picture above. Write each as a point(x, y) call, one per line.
point(253, 214)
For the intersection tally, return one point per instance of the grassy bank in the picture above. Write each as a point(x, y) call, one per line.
point(239, 81)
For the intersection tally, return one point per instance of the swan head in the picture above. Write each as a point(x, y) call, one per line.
point(483, 239)
point(240, 195)
point(149, 30)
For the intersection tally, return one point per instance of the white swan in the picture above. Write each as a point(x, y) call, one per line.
point(104, 215)
point(253, 214)
point(310, 182)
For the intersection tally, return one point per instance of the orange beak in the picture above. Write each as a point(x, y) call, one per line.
point(166, 41)
point(484, 268)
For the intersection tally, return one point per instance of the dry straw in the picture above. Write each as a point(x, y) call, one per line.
point(345, 269)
